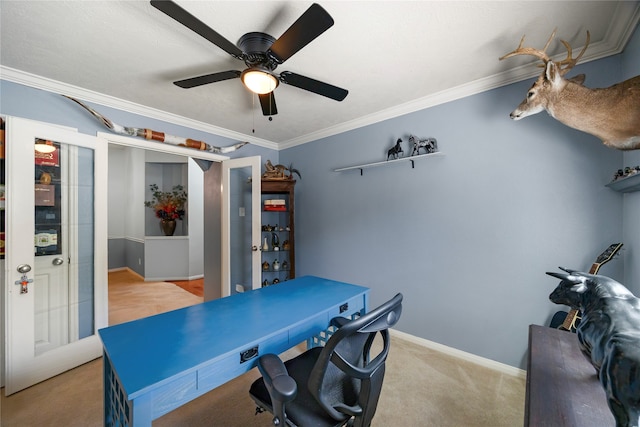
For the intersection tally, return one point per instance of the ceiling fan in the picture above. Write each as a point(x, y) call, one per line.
point(261, 54)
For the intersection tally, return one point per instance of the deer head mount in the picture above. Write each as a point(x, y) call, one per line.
point(612, 114)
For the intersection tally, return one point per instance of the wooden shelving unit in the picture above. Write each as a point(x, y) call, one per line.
point(285, 222)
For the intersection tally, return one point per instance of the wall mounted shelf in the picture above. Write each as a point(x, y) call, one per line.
point(626, 185)
point(388, 162)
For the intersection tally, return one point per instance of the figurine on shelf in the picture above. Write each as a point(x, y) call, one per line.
point(286, 245)
point(285, 265)
point(278, 172)
point(265, 266)
point(275, 242)
point(265, 245)
point(395, 150)
point(626, 172)
point(430, 145)
point(276, 265)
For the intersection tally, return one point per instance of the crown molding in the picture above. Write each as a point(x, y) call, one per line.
point(614, 43)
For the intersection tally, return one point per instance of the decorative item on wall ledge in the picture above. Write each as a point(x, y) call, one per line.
point(430, 145)
point(168, 206)
point(279, 172)
point(395, 150)
point(158, 136)
point(626, 180)
point(626, 172)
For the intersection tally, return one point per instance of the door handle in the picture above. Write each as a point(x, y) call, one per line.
point(57, 261)
point(254, 248)
point(23, 268)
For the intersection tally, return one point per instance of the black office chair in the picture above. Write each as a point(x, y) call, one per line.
point(331, 385)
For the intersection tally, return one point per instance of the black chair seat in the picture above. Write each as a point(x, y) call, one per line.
point(304, 410)
point(333, 385)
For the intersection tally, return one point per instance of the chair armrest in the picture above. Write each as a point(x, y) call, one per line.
point(339, 322)
point(281, 387)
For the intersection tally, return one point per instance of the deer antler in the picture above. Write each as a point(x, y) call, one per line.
point(540, 54)
point(569, 62)
point(564, 66)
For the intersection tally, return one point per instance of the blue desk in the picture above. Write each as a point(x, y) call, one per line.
point(156, 364)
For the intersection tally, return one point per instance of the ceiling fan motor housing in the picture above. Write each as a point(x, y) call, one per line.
point(254, 45)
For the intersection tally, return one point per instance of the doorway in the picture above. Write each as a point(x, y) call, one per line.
point(140, 254)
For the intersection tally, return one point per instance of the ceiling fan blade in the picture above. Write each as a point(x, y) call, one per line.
point(309, 25)
point(312, 85)
point(268, 104)
point(207, 78)
point(174, 11)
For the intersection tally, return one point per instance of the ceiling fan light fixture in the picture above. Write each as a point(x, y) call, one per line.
point(259, 81)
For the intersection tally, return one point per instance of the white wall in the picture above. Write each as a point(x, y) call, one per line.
point(196, 220)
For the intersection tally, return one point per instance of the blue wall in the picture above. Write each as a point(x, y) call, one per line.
point(631, 203)
point(468, 236)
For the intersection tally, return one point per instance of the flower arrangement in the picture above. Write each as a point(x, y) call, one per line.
point(168, 204)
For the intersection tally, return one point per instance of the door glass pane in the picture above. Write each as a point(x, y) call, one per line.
point(63, 245)
point(240, 229)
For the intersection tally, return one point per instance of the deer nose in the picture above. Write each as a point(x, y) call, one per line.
point(514, 115)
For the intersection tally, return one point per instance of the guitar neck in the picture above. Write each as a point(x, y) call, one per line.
point(595, 268)
point(570, 321)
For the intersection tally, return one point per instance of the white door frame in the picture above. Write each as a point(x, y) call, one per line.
point(254, 163)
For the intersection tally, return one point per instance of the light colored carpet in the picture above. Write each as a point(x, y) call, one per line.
point(422, 387)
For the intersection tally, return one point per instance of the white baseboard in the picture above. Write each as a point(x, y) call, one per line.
point(469, 357)
point(177, 278)
point(157, 279)
point(113, 270)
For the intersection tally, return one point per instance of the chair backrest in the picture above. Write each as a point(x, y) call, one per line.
point(344, 379)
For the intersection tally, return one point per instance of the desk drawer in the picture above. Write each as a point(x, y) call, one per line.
point(300, 333)
point(348, 308)
point(174, 394)
point(229, 367)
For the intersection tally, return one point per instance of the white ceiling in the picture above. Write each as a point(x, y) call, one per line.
point(394, 57)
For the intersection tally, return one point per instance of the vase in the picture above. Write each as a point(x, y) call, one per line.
point(168, 226)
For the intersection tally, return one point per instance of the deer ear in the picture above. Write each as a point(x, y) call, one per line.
point(551, 72)
point(579, 79)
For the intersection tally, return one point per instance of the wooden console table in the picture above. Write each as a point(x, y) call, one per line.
point(562, 387)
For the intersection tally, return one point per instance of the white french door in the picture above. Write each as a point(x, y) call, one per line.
point(56, 251)
point(240, 225)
